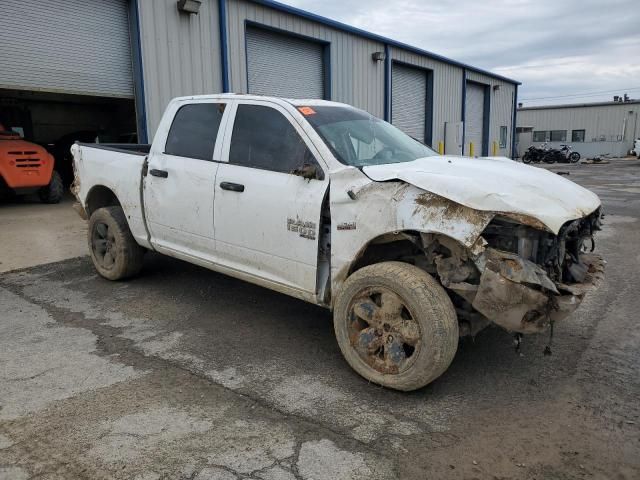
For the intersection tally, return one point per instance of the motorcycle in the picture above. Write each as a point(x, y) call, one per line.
point(564, 155)
point(534, 154)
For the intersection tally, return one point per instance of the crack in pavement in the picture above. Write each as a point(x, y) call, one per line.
point(110, 342)
point(122, 350)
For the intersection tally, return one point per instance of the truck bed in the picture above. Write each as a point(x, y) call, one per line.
point(134, 148)
point(108, 169)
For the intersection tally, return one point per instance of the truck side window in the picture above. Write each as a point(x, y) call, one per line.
point(194, 130)
point(264, 138)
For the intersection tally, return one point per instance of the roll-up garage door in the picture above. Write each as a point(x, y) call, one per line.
point(474, 119)
point(409, 100)
point(69, 46)
point(284, 66)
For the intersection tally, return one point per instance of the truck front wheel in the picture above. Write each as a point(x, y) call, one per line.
point(114, 251)
point(396, 325)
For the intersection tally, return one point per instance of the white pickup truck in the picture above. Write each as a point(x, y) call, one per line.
point(324, 202)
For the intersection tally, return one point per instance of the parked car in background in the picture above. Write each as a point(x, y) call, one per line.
point(27, 168)
point(326, 203)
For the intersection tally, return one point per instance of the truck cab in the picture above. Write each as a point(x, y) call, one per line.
point(324, 202)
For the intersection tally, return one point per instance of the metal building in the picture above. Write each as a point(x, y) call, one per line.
point(593, 129)
point(125, 59)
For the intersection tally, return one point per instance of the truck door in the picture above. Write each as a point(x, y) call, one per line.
point(267, 219)
point(179, 186)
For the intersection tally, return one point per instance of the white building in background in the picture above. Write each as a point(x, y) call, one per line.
point(606, 128)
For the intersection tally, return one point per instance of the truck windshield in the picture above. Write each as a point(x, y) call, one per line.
point(360, 139)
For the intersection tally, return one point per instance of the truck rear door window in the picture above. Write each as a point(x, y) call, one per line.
point(264, 138)
point(194, 130)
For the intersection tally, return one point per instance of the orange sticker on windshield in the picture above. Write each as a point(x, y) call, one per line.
point(306, 111)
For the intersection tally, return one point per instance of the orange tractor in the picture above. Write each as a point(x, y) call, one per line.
point(27, 168)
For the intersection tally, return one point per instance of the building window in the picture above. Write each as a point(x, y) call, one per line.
point(577, 135)
point(503, 137)
point(558, 135)
point(540, 136)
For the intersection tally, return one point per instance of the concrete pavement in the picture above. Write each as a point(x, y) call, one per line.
point(33, 233)
point(185, 373)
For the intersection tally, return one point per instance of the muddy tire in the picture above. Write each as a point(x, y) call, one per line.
point(53, 192)
point(396, 325)
point(114, 252)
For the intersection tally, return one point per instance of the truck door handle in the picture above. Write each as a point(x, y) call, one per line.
point(234, 187)
point(159, 173)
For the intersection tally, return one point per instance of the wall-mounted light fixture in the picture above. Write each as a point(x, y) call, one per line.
point(189, 6)
point(496, 88)
point(378, 56)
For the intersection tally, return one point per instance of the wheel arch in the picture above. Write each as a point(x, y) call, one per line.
point(404, 246)
point(98, 197)
point(405, 238)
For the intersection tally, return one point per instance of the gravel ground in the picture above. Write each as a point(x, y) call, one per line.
point(183, 373)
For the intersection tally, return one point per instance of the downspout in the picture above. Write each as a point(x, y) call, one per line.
point(464, 105)
point(138, 73)
point(387, 83)
point(513, 126)
point(486, 120)
point(224, 57)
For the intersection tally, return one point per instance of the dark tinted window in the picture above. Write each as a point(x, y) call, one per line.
point(264, 138)
point(577, 135)
point(503, 136)
point(558, 135)
point(540, 136)
point(194, 130)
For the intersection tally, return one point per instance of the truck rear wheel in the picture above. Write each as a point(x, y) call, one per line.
point(53, 192)
point(114, 251)
point(396, 325)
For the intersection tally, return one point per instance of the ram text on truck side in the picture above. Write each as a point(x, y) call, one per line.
point(329, 204)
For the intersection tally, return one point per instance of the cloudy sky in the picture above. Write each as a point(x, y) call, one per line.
point(556, 48)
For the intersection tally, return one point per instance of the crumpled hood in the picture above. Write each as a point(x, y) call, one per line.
point(495, 184)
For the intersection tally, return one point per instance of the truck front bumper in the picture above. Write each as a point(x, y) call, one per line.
point(519, 296)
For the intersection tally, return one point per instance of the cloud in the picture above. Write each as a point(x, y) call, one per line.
point(554, 48)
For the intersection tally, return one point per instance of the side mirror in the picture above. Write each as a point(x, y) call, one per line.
point(307, 171)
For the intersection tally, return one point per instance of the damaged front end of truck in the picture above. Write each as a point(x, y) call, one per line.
point(512, 245)
point(522, 277)
point(521, 258)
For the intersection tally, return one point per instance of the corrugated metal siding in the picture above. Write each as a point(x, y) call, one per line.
point(501, 112)
point(474, 118)
point(409, 95)
point(71, 46)
point(356, 79)
point(270, 55)
point(447, 90)
point(180, 54)
point(608, 128)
